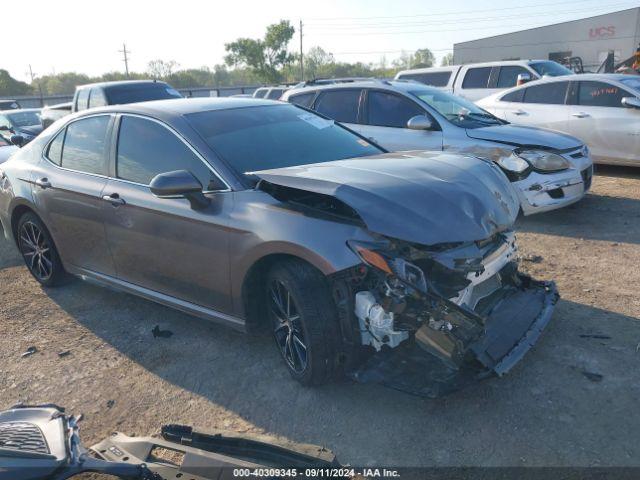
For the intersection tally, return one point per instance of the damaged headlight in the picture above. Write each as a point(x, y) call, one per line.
point(543, 160)
point(513, 163)
point(398, 267)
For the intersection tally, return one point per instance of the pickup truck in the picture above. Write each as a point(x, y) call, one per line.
point(475, 81)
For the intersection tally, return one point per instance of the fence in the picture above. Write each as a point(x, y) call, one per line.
point(37, 101)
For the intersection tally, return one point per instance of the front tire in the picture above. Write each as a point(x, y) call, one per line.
point(39, 252)
point(303, 317)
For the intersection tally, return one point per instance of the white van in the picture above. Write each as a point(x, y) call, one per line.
point(478, 80)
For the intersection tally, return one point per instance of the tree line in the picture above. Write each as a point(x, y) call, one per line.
point(248, 61)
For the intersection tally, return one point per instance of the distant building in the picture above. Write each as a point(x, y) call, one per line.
point(589, 38)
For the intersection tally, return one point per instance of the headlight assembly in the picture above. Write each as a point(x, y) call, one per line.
point(543, 160)
point(513, 163)
point(397, 267)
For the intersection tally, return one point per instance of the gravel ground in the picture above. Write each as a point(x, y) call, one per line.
point(571, 402)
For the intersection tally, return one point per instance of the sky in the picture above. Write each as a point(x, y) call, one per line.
point(86, 36)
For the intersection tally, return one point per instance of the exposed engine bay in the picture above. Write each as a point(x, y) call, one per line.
point(466, 305)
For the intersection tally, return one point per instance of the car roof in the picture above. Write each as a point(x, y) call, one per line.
point(119, 83)
point(481, 64)
point(391, 85)
point(182, 106)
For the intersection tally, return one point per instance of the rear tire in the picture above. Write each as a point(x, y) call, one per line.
point(304, 320)
point(39, 252)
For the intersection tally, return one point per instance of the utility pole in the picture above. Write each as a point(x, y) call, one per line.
point(33, 79)
point(124, 52)
point(301, 55)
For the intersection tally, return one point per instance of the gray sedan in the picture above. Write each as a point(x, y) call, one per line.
point(394, 268)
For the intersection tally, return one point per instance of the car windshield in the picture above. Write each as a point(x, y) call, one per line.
point(631, 82)
point(552, 69)
point(24, 119)
point(141, 93)
point(457, 110)
point(275, 136)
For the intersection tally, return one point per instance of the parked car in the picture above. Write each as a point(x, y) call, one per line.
point(6, 104)
point(478, 80)
point(121, 92)
point(24, 122)
point(601, 109)
point(51, 113)
point(264, 216)
point(549, 170)
point(6, 149)
point(270, 93)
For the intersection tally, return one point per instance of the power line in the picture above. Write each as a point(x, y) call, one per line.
point(554, 4)
point(446, 22)
point(404, 32)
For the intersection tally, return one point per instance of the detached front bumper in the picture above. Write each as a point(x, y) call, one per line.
point(543, 192)
point(512, 327)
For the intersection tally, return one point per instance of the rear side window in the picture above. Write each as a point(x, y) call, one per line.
point(435, 79)
point(508, 76)
point(600, 94)
point(97, 98)
point(84, 145)
point(54, 152)
point(547, 93)
point(390, 110)
point(341, 105)
point(260, 93)
point(515, 96)
point(304, 99)
point(275, 93)
point(146, 149)
point(477, 78)
point(82, 100)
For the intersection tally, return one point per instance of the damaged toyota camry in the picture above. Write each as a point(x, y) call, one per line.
point(394, 268)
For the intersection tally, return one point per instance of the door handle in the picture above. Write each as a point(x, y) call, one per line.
point(114, 199)
point(520, 112)
point(43, 183)
point(580, 115)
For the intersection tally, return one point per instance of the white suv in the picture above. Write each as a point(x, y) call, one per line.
point(548, 169)
point(478, 80)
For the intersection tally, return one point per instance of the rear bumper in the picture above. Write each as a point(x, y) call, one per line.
point(512, 328)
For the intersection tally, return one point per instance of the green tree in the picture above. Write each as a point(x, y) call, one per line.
point(265, 57)
point(9, 86)
point(317, 62)
point(161, 69)
point(423, 58)
point(447, 60)
point(63, 83)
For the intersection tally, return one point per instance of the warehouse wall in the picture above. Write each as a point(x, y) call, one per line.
point(589, 38)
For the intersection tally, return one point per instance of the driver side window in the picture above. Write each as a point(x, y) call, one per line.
point(147, 148)
point(390, 110)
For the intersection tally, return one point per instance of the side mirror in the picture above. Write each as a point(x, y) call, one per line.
point(17, 140)
point(419, 122)
point(631, 102)
point(179, 183)
point(523, 78)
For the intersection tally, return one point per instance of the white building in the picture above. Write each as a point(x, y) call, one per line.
point(589, 38)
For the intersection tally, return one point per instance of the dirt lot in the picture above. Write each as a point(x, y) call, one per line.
point(572, 401)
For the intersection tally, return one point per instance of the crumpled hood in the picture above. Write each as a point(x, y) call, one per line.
point(519, 135)
point(422, 197)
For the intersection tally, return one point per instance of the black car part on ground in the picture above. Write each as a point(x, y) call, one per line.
point(39, 442)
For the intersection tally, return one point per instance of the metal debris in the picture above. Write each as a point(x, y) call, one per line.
point(29, 351)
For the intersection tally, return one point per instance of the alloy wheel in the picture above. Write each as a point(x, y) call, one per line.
point(36, 250)
point(287, 327)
